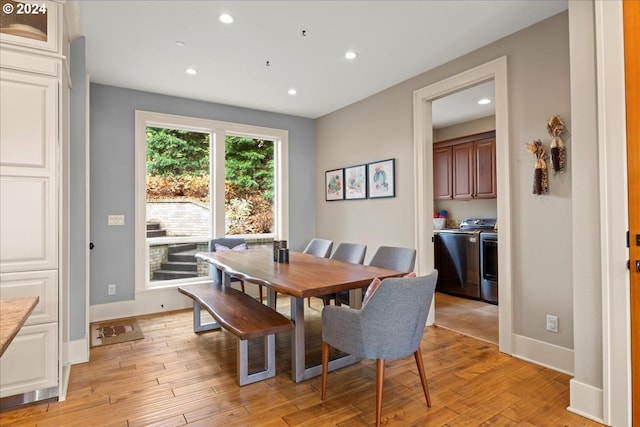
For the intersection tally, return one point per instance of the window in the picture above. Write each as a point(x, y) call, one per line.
point(197, 179)
point(249, 179)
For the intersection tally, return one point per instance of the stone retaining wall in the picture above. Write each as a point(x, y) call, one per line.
point(180, 218)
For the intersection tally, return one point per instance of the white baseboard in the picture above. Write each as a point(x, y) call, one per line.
point(541, 353)
point(586, 401)
point(146, 302)
point(79, 350)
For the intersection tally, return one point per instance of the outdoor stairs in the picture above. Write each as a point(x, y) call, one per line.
point(154, 230)
point(181, 264)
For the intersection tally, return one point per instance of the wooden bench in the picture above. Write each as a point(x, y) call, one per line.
point(244, 317)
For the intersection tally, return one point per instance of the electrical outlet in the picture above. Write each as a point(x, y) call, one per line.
point(111, 289)
point(115, 220)
point(552, 323)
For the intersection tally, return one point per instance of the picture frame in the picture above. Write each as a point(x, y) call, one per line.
point(381, 179)
point(355, 182)
point(334, 185)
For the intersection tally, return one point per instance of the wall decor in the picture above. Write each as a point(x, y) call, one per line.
point(355, 182)
point(381, 179)
point(540, 175)
point(555, 127)
point(334, 185)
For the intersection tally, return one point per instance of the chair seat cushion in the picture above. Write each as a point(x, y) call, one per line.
point(222, 248)
point(374, 285)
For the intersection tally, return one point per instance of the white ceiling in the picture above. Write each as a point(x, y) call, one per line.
point(132, 44)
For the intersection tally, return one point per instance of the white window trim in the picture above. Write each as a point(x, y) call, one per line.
point(218, 130)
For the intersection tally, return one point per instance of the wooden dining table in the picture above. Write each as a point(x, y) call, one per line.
point(304, 276)
point(15, 312)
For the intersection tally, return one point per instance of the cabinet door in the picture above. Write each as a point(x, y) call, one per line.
point(485, 169)
point(31, 360)
point(463, 171)
point(43, 284)
point(32, 24)
point(28, 178)
point(442, 183)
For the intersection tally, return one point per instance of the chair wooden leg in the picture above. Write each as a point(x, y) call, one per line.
point(309, 302)
point(379, 382)
point(423, 378)
point(325, 368)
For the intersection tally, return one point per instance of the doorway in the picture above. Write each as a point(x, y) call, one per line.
point(495, 70)
point(465, 187)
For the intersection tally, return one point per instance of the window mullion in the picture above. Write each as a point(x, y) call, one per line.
point(216, 185)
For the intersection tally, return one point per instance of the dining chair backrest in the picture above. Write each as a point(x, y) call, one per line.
point(228, 242)
point(319, 247)
point(350, 252)
point(389, 326)
point(394, 258)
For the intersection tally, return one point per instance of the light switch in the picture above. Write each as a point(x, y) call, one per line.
point(115, 220)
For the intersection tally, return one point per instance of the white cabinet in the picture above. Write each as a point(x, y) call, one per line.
point(28, 176)
point(30, 362)
point(33, 91)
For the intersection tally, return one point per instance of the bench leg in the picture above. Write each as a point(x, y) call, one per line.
point(269, 369)
point(197, 323)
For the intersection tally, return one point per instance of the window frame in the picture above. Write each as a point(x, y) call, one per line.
point(218, 131)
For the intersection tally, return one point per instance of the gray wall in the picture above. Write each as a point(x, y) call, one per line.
point(78, 197)
point(381, 126)
point(112, 175)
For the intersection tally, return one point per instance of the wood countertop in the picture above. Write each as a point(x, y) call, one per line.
point(13, 313)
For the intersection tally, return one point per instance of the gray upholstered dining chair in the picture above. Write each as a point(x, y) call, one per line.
point(394, 258)
point(319, 247)
point(348, 252)
point(391, 258)
point(389, 325)
point(233, 244)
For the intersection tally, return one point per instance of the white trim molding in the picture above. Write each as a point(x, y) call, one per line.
point(423, 148)
point(544, 354)
point(612, 137)
point(79, 349)
point(146, 302)
point(586, 401)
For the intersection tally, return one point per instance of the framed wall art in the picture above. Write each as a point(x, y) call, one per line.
point(355, 182)
point(381, 179)
point(334, 185)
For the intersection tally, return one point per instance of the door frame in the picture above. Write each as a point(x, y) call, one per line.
point(423, 148)
point(613, 224)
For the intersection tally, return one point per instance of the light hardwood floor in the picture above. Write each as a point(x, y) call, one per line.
point(174, 377)
point(474, 318)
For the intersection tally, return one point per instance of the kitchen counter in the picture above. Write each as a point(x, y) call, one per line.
point(14, 312)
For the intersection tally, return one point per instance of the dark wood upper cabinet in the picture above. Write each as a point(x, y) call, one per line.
point(442, 175)
point(485, 169)
point(463, 171)
point(465, 168)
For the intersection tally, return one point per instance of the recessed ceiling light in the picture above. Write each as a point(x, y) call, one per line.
point(225, 18)
point(484, 101)
point(179, 43)
point(350, 54)
point(292, 92)
point(191, 71)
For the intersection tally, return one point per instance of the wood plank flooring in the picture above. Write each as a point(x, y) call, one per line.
point(470, 317)
point(174, 377)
